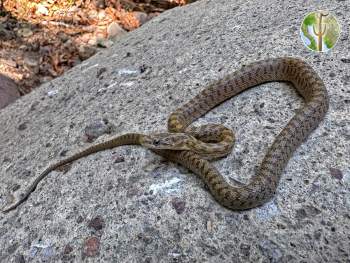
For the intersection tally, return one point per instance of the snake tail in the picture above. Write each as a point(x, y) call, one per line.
point(126, 139)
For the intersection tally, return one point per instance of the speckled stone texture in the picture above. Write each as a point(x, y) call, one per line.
point(129, 205)
point(8, 91)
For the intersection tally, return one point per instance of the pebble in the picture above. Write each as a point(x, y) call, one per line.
point(25, 32)
point(114, 30)
point(141, 17)
point(271, 251)
point(22, 126)
point(96, 129)
point(119, 159)
point(86, 51)
point(179, 205)
point(31, 64)
point(91, 246)
point(41, 9)
point(5, 34)
point(67, 250)
point(105, 43)
point(345, 60)
point(100, 71)
point(96, 223)
point(336, 173)
point(307, 212)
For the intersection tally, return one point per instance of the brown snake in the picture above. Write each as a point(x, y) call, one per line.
point(263, 185)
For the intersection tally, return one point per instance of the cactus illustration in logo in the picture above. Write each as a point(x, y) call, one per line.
point(320, 31)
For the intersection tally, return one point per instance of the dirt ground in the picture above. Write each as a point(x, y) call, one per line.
point(40, 40)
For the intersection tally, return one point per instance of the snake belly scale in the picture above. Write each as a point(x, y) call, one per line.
point(263, 184)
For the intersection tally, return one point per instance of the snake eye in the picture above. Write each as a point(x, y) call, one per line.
point(156, 142)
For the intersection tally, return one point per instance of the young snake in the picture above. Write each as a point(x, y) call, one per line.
point(263, 185)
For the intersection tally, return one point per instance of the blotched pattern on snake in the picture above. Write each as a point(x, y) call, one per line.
point(190, 146)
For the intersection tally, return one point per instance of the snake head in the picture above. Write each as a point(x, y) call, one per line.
point(166, 141)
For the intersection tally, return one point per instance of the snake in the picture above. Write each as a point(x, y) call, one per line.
point(193, 147)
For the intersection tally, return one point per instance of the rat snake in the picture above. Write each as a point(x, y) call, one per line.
point(190, 146)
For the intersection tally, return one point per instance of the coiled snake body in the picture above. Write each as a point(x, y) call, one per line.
point(176, 145)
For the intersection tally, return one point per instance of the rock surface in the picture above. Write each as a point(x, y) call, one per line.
point(143, 209)
point(8, 91)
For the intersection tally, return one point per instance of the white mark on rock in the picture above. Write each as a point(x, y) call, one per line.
point(112, 85)
point(93, 66)
point(42, 245)
point(45, 248)
point(166, 187)
point(128, 72)
point(127, 84)
point(52, 93)
point(101, 90)
point(33, 252)
point(174, 254)
point(210, 226)
point(267, 211)
point(183, 70)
